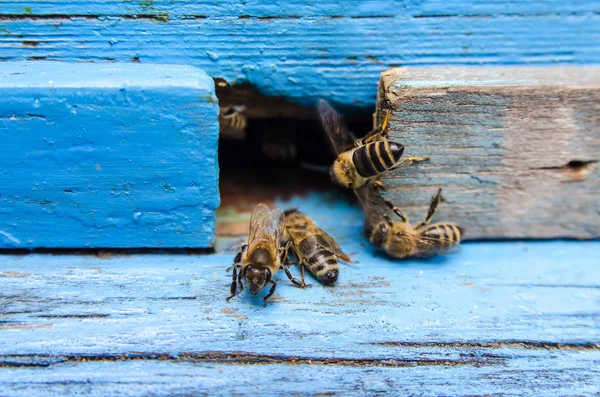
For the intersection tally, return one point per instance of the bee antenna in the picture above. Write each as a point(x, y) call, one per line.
point(315, 167)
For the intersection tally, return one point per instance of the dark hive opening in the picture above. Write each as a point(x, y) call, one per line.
point(275, 158)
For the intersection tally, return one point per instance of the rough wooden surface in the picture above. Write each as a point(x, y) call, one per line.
point(510, 318)
point(515, 148)
point(302, 50)
point(121, 155)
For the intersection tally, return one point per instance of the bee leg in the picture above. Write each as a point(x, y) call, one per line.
point(294, 281)
point(271, 292)
point(388, 220)
point(236, 260)
point(435, 202)
point(283, 258)
point(396, 211)
point(302, 274)
point(377, 185)
point(377, 134)
point(235, 282)
point(409, 161)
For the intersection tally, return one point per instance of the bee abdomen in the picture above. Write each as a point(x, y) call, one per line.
point(376, 157)
point(324, 266)
point(447, 234)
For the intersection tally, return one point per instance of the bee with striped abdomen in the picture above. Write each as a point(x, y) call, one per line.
point(400, 239)
point(369, 157)
point(313, 248)
point(258, 261)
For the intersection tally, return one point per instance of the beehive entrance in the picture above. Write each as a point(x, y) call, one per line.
point(277, 158)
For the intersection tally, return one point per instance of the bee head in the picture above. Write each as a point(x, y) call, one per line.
point(330, 277)
point(379, 234)
point(256, 278)
point(343, 172)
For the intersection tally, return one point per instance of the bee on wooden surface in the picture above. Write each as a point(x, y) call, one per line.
point(366, 159)
point(400, 239)
point(258, 261)
point(313, 248)
point(233, 122)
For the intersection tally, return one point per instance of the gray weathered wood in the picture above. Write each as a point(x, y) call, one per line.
point(515, 148)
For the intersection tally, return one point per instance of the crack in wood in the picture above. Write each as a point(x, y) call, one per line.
point(105, 253)
point(242, 358)
point(77, 316)
point(159, 17)
point(573, 165)
point(513, 344)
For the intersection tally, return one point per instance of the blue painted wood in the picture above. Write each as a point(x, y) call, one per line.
point(518, 318)
point(527, 373)
point(304, 51)
point(95, 155)
point(174, 9)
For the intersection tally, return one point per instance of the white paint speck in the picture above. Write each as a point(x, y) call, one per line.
point(212, 55)
point(10, 237)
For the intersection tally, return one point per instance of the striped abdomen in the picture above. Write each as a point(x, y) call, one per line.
point(440, 237)
point(376, 157)
point(320, 261)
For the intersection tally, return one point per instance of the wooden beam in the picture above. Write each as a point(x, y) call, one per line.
point(299, 50)
point(99, 155)
point(515, 148)
point(494, 318)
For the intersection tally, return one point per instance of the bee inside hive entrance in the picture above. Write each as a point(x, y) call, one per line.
point(274, 158)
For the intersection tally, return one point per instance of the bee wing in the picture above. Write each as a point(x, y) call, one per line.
point(372, 204)
point(431, 247)
point(333, 123)
point(329, 243)
point(297, 235)
point(266, 224)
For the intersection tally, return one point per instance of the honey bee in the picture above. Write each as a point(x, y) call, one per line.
point(258, 261)
point(314, 249)
point(233, 121)
point(399, 238)
point(363, 162)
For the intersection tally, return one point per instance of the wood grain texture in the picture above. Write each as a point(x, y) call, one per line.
point(515, 148)
point(513, 318)
point(302, 50)
point(121, 155)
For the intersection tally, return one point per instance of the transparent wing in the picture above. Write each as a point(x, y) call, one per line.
point(372, 204)
point(333, 123)
point(266, 224)
point(298, 235)
point(429, 246)
point(328, 242)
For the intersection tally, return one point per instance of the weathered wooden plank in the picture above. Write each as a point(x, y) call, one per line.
point(515, 148)
point(501, 317)
point(529, 373)
point(330, 54)
point(487, 293)
point(295, 8)
point(121, 155)
point(495, 318)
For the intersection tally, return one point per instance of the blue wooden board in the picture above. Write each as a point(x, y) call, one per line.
point(302, 50)
point(514, 318)
point(99, 155)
